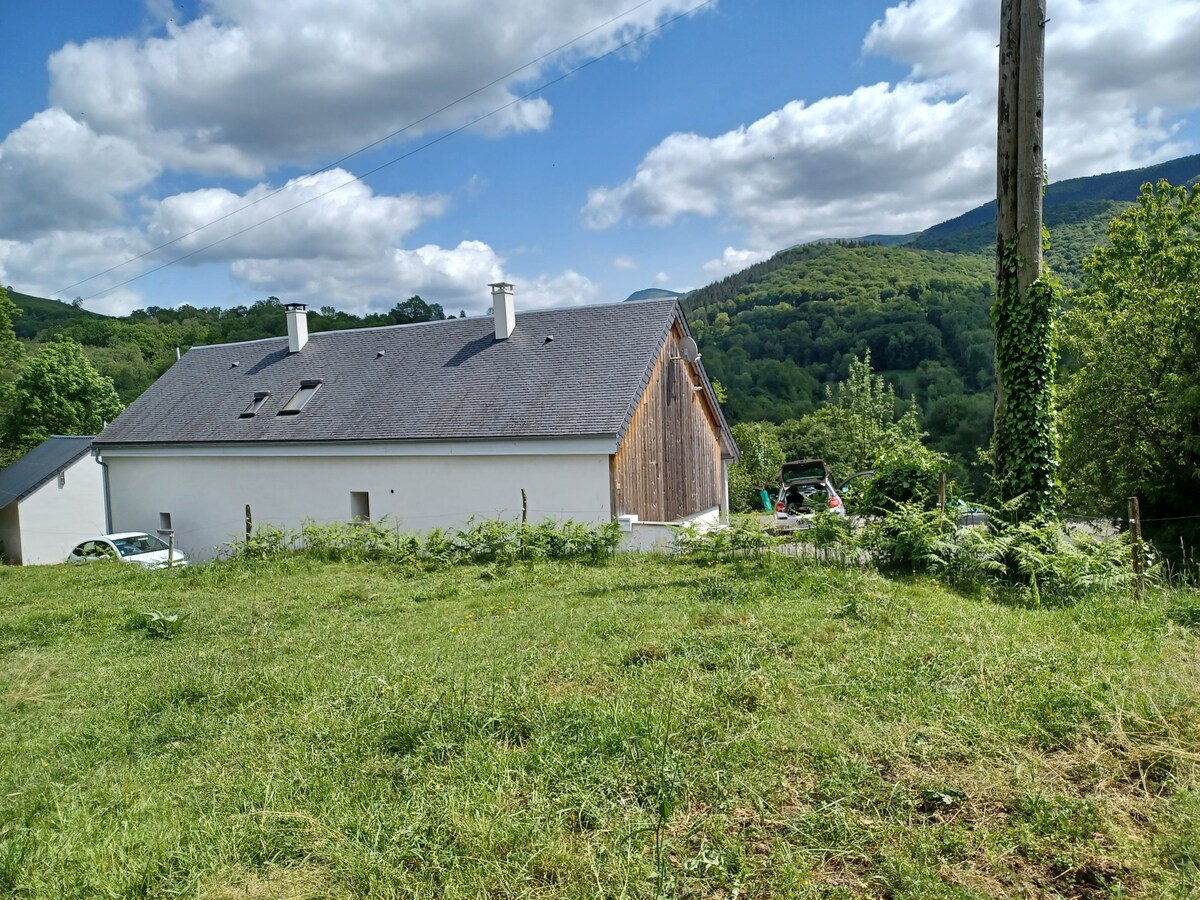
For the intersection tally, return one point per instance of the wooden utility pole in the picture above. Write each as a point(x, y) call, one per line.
point(1019, 182)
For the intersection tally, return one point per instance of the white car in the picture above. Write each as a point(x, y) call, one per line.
point(129, 547)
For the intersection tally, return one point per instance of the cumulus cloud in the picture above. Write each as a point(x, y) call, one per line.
point(900, 157)
point(54, 169)
point(624, 262)
point(456, 277)
point(733, 260)
point(569, 288)
point(813, 170)
point(46, 264)
point(243, 87)
point(328, 216)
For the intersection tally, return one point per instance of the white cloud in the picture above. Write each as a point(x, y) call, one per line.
point(456, 277)
point(567, 289)
point(830, 168)
point(245, 86)
point(55, 170)
point(624, 262)
point(328, 216)
point(52, 261)
point(733, 260)
point(900, 157)
point(662, 278)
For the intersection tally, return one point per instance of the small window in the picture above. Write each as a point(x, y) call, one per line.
point(260, 397)
point(164, 522)
point(62, 479)
point(300, 398)
point(360, 506)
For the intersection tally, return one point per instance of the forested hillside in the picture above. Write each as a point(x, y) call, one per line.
point(777, 333)
point(1077, 213)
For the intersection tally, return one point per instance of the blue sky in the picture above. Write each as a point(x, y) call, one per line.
point(741, 128)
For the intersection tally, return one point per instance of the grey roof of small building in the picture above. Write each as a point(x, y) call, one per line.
point(571, 372)
point(39, 465)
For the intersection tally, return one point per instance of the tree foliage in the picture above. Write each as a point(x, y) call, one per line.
point(11, 350)
point(58, 392)
point(862, 419)
point(758, 467)
point(1131, 407)
point(778, 333)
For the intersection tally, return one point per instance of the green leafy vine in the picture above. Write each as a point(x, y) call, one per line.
point(1026, 440)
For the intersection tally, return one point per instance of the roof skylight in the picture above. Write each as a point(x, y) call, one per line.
point(300, 398)
point(260, 397)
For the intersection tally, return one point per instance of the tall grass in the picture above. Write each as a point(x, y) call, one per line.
point(351, 728)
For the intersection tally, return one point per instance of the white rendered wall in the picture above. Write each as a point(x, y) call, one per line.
point(206, 495)
point(54, 519)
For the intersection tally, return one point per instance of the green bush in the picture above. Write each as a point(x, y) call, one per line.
point(482, 541)
point(1039, 560)
point(743, 536)
point(905, 475)
point(910, 538)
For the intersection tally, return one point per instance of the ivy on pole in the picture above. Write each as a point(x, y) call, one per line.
point(1027, 299)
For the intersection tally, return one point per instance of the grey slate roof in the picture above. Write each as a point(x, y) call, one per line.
point(39, 465)
point(446, 380)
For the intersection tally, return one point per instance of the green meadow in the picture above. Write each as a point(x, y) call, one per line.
point(646, 727)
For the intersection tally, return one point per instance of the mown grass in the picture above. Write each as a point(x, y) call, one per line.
point(650, 726)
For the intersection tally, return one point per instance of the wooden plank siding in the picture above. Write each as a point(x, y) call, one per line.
point(669, 463)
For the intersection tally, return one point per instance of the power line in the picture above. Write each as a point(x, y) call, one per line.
point(356, 178)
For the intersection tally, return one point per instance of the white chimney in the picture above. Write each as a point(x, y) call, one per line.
point(297, 318)
point(503, 309)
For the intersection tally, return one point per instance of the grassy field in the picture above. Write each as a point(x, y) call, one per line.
point(647, 727)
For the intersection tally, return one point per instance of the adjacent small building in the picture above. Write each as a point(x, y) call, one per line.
point(585, 413)
point(50, 499)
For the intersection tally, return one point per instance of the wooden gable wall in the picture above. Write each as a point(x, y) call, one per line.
point(669, 463)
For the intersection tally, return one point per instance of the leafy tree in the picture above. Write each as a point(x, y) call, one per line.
point(414, 309)
point(58, 392)
point(908, 474)
point(11, 349)
point(860, 421)
point(1131, 409)
point(758, 467)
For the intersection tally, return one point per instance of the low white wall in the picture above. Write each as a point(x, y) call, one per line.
point(54, 518)
point(206, 495)
point(657, 537)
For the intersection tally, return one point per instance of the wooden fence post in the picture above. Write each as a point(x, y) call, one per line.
point(941, 495)
point(170, 548)
point(524, 519)
point(249, 523)
point(1135, 536)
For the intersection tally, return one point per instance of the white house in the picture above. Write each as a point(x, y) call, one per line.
point(50, 499)
point(593, 412)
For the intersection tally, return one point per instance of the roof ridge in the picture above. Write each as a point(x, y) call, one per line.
point(446, 321)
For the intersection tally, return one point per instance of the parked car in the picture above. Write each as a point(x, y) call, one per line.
point(806, 485)
point(128, 547)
